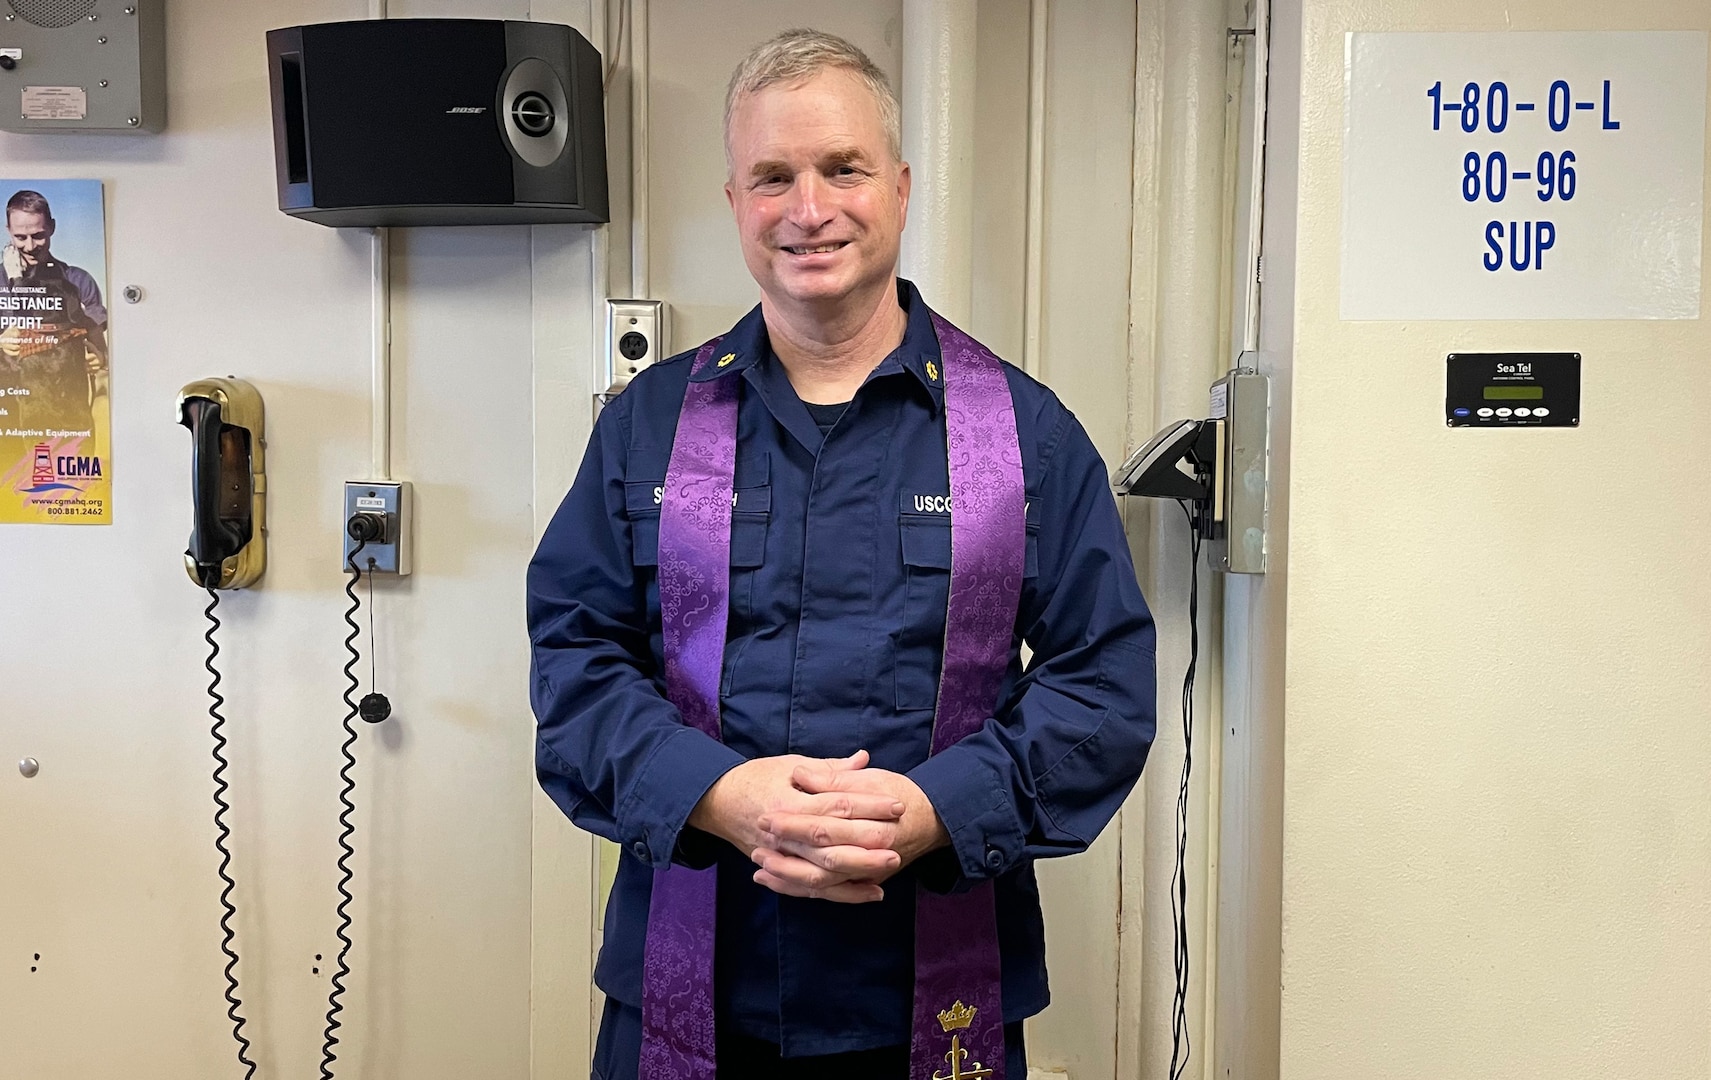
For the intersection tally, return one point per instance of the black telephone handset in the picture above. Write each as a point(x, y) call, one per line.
point(228, 547)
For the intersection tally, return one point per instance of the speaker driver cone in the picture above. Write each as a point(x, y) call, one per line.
point(536, 112)
point(533, 114)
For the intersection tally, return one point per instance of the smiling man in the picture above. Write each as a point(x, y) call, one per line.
point(53, 323)
point(776, 628)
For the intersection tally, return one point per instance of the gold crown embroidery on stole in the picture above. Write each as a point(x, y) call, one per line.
point(957, 1016)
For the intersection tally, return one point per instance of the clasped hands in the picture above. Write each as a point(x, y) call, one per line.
point(827, 828)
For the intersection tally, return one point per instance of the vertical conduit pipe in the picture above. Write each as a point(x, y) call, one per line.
point(600, 239)
point(1256, 195)
point(1033, 286)
point(380, 350)
point(938, 143)
point(380, 345)
point(639, 285)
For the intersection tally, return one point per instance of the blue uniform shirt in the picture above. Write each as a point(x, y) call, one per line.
point(840, 566)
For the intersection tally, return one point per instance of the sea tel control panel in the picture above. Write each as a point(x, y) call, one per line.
point(1512, 390)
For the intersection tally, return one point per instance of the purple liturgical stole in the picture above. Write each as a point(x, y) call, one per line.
point(957, 1032)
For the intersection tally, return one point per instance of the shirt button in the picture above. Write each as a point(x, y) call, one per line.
point(994, 858)
point(640, 850)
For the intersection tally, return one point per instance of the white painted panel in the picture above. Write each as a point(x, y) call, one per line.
point(1524, 175)
point(108, 855)
point(1088, 186)
point(1090, 78)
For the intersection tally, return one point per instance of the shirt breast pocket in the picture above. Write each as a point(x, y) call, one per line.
point(926, 546)
point(751, 516)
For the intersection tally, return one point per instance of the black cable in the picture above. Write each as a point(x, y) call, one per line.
point(334, 1006)
point(371, 644)
point(1180, 1041)
point(223, 836)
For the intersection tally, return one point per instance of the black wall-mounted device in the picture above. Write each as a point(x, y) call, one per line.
point(387, 122)
point(1512, 390)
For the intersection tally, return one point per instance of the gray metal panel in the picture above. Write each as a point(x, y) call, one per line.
point(109, 64)
point(1244, 494)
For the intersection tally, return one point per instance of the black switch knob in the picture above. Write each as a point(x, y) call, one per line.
point(7, 63)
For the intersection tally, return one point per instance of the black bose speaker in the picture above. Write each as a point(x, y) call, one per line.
point(437, 122)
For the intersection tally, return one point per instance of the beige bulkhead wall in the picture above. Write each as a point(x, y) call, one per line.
point(1497, 823)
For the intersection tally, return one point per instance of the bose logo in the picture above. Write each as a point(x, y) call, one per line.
point(932, 504)
point(472, 110)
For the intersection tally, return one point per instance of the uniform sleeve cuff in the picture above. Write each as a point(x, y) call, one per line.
point(973, 801)
point(671, 784)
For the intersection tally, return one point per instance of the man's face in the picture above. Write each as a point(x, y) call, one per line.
point(29, 233)
point(820, 203)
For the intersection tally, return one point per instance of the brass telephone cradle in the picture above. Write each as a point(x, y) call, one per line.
point(228, 540)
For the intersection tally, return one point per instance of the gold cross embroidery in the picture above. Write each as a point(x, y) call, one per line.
point(956, 1058)
point(932, 371)
point(725, 361)
point(955, 1020)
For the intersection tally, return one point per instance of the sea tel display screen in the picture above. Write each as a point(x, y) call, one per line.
point(1512, 390)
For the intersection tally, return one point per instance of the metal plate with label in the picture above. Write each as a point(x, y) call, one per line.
point(1512, 390)
point(54, 103)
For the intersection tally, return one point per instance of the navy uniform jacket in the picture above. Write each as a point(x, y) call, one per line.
point(840, 565)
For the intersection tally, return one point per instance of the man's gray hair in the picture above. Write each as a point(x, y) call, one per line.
point(801, 54)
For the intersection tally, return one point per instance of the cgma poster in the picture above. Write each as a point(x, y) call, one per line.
point(55, 466)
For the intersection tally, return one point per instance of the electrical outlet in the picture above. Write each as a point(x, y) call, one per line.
point(386, 506)
point(635, 337)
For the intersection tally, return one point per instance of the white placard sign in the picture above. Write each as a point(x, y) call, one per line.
point(1524, 175)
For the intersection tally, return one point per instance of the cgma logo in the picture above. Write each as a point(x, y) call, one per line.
point(48, 472)
point(80, 468)
point(466, 110)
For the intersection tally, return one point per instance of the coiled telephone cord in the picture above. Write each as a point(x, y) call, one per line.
point(347, 829)
point(223, 836)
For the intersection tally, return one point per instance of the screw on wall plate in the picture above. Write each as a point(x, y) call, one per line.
point(29, 767)
point(102, 84)
point(133, 294)
point(93, 16)
point(101, 40)
point(130, 11)
point(133, 121)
